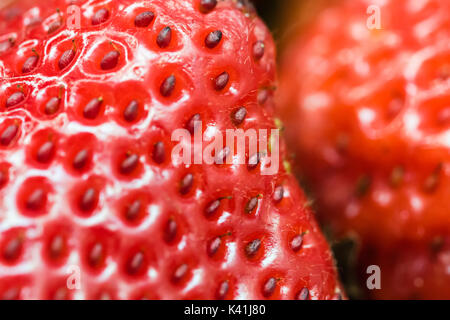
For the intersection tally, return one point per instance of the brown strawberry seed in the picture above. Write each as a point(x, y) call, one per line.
point(194, 123)
point(131, 111)
point(129, 164)
point(159, 152)
point(238, 116)
point(251, 204)
point(9, 134)
point(186, 184)
point(92, 109)
point(213, 39)
point(167, 86)
point(180, 273)
point(135, 264)
point(170, 231)
point(30, 64)
point(88, 200)
point(212, 208)
point(252, 248)
point(258, 50)
point(15, 99)
point(133, 210)
point(269, 287)
point(278, 194)
point(164, 37)
point(81, 159)
point(303, 294)
point(52, 106)
point(96, 255)
point(56, 247)
point(110, 60)
point(66, 58)
point(100, 16)
point(143, 19)
point(253, 161)
point(222, 291)
point(213, 246)
point(221, 81)
point(36, 200)
point(296, 243)
point(13, 249)
point(45, 152)
point(207, 5)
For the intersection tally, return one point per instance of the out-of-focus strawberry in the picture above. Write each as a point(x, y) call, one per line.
point(368, 112)
point(89, 195)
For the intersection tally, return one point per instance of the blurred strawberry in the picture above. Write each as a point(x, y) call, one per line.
point(367, 111)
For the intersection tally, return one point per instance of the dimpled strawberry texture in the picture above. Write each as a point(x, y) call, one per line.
point(91, 205)
point(368, 112)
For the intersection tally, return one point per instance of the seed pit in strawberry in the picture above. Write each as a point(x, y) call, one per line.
point(79, 153)
point(433, 71)
point(42, 149)
point(434, 114)
point(32, 198)
point(132, 99)
point(170, 83)
point(85, 196)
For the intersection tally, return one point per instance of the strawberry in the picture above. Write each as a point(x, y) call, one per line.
point(92, 206)
point(367, 111)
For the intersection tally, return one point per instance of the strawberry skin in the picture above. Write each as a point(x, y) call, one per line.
point(369, 118)
point(87, 185)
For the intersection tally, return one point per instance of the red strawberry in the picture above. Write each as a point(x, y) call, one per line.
point(88, 190)
point(368, 113)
